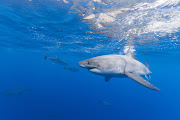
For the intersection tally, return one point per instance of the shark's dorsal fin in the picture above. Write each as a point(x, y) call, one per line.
point(130, 54)
point(107, 78)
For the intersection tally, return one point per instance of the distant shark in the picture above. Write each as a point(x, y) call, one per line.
point(71, 69)
point(56, 60)
point(60, 61)
point(105, 103)
point(119, 66)
point(17, 91)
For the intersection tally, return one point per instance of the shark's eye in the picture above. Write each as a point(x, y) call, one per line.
point(89, 62)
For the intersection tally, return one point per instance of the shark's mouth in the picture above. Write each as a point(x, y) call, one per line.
point(91, 68)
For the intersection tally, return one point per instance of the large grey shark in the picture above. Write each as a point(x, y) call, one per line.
point(119, 66)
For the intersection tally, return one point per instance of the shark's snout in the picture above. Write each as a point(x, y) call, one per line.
point(81, 64)
point(88, 64)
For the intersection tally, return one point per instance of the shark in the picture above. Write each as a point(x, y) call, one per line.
point(17, 91)
point(71, 69)
point(121, 66)
point(56, 60)
point(61, 62)
point(105, 103)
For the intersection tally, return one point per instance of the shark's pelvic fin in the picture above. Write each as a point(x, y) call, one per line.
point(130, 54)
point(107, 78)
point(140, 80)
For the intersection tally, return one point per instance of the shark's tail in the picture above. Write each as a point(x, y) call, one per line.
point(45, 57)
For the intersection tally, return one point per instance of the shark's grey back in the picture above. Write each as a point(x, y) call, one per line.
point(110, 63)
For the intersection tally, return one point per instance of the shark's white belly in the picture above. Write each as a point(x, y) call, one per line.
point(120, 75)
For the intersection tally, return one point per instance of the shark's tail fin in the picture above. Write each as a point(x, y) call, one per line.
point(45, 57)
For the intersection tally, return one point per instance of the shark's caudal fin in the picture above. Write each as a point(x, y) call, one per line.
point(141, 81)
point(45, 57)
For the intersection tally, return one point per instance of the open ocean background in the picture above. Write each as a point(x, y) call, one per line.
point(33, 89)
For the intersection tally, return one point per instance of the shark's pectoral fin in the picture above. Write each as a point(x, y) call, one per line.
point(107, 78)
point(140, 80)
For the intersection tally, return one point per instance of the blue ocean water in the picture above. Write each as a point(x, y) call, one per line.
point(37, 89)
